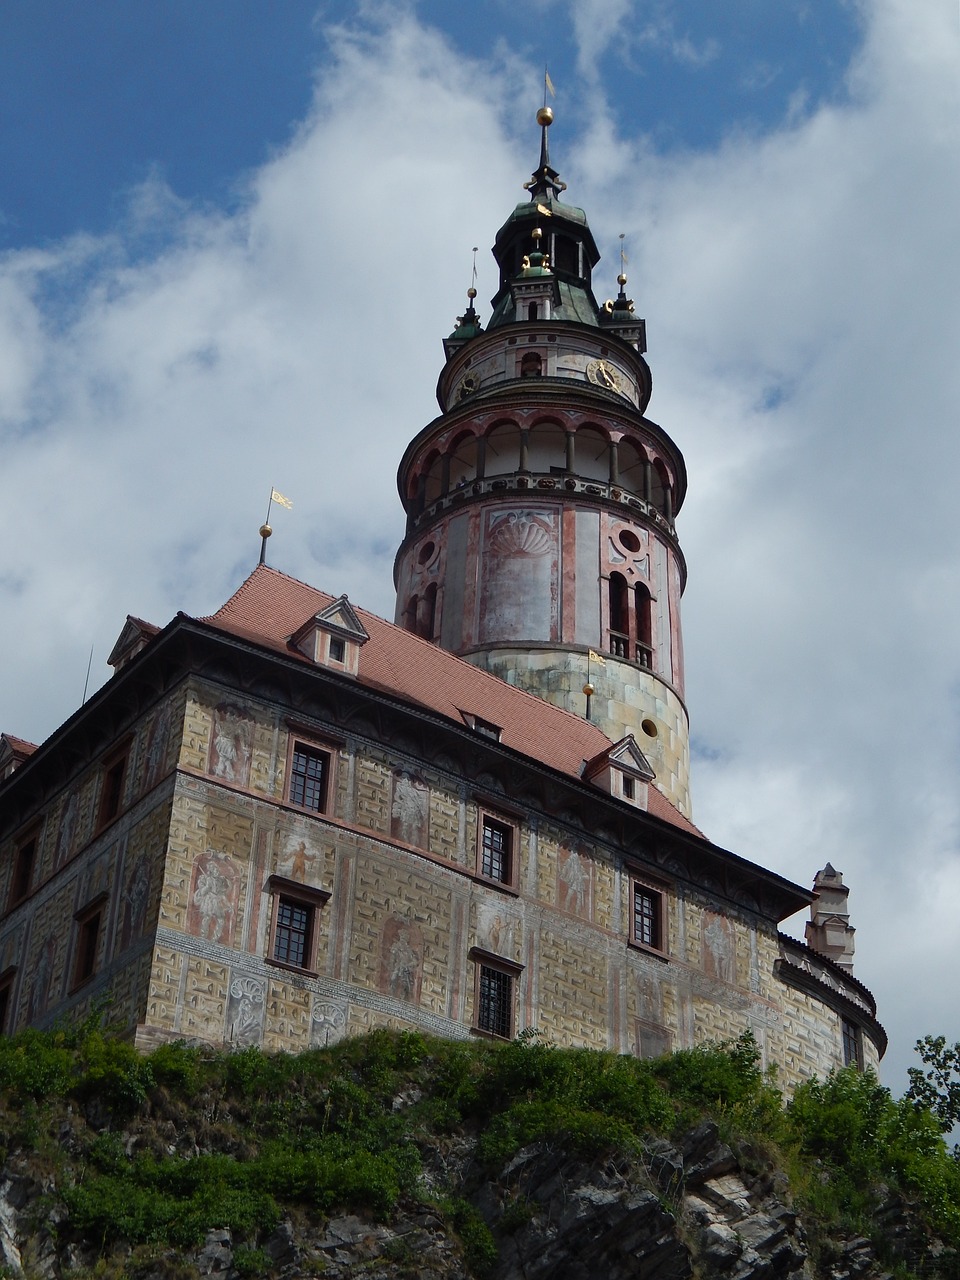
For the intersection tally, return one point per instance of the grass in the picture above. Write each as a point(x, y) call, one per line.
point(186, 1139)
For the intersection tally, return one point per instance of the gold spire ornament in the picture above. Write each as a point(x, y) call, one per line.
point(265, 530)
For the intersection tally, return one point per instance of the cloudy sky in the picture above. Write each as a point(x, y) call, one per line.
point(233, 236)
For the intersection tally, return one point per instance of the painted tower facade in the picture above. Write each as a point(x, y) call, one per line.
point(541, 502)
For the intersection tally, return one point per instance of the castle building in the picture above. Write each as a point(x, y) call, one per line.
point(292, 821)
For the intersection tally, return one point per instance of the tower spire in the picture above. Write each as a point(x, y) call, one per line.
point(544, 182)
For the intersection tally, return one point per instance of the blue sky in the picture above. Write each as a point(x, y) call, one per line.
point(233, 236)
point(94, 98)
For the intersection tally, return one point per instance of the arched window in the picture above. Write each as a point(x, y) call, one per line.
point(503, 449)
point(533, 311)
point(547, 449)
point(643, 609)
point(619, 616)
point(463, 461)
point(531, 366)
point(410, 614)
point(434, 478)
point(631, 468)
point(428, 612)
point(593, 454)
point(660, 488)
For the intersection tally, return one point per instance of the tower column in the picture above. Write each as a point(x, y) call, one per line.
point(614, 461)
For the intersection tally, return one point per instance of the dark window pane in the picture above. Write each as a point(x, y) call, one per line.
point(87, 948)
point(292, 939)
point(495, 853)
point(496, 1002)
point(308, 778)
point(646, 922)
point(851, 1045)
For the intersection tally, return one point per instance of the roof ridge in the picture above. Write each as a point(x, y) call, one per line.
point(540, 702)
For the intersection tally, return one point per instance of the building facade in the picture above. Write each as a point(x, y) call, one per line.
point(293, 821)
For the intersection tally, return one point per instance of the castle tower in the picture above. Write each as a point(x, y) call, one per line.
point(541, 502)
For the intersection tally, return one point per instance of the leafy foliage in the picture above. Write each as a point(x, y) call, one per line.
point(186, 1139)
point(865, 1142)
point(938, 1088)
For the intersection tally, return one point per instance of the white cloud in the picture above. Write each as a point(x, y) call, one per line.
point(801, 292)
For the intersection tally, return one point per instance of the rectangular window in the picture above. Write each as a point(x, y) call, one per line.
point(647, 921)
point(494, 996)
point(495, 1002)
point(496, 855)
point(338, 649)
point(89, 922)
point(23, 864)
point(852, 1045)
point(6, 999)
point(291, 943)
point(111, 788)
point(309, 773)
point(296, 923)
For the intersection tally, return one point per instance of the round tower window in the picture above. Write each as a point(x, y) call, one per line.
point(649, 728)
point(426, 552)
point(628, 540)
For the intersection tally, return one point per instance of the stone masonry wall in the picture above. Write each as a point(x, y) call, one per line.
point(397, 853)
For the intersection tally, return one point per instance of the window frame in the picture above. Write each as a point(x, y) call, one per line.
point(21, 886)
point(656, 893)
point(315, 748)
point(489, 962)
point(851, 1043)
point(293, 892)
point(110, 803)
point(509, 827)
point(85, 955)
point(7, 979)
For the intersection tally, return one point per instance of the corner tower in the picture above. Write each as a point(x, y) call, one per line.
point(541, 502)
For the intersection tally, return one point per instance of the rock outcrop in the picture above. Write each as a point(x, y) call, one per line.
point(690, 1211)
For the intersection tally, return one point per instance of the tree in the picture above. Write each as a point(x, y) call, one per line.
point(938, 1088)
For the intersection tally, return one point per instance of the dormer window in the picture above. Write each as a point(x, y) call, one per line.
point(486, 728)
point(622, 771)
point(333, 637)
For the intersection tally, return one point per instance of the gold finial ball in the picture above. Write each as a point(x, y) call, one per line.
point(621, 278)
point(536, 233)
point(265, 531)
point(588, 688)
point(471, 293)
point(545, 116)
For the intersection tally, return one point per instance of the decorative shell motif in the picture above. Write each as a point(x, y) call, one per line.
point(521, 534)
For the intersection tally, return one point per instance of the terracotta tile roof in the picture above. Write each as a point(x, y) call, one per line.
point(270, 606)
point(19, 746)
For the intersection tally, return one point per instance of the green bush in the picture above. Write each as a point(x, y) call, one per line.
point(113, 1072)
point(35, 1064)
point(866, 1141)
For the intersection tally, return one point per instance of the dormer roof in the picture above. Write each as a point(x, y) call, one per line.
point(339, 617)
point(136, 634)
point(624, 755)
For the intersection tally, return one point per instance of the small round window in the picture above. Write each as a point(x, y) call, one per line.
point(628, 540)
point(649, 728)
point(426, 552)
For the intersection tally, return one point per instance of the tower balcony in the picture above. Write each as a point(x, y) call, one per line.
point(544, 484)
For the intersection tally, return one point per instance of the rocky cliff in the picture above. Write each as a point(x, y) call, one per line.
point(412, 1159)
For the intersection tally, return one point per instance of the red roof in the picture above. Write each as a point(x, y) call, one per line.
point(19, 746)
point(270, 606)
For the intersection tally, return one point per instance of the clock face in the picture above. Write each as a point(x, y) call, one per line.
point(602, 374)
point(468, 386)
